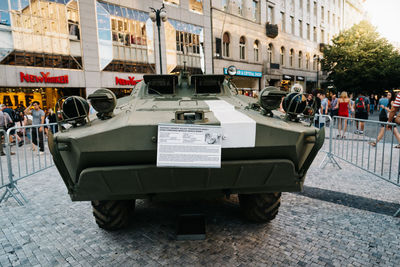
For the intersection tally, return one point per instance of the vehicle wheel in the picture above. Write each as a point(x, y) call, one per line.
point(260, 207)
point(112, 214)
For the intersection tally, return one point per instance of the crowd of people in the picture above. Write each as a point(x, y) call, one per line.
point(25, 116)
point(360, 107)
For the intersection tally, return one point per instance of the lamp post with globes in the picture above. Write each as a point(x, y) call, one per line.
point(158, 15)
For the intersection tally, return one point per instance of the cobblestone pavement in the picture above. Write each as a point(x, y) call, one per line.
point(342, 218)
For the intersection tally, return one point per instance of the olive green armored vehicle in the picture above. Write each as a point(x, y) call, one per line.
point(183, 136)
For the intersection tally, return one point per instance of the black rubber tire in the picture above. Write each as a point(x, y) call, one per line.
point(260, 208)
point(113, 214)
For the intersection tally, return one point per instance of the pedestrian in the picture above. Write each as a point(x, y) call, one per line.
point(38, 117)
point(51, 117)
point(385, 105)
point(11, 113)
point(323, 109)
point(343, 106)
point(393, 111)
point(361, 108)
point(4, 121)
point(335, 109)
point(371, 104)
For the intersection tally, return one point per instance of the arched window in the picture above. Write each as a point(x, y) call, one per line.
point(270, 53)
point(242, 48)
point(282, 60)
point(307, 61)
point(314, 63)
point(300, 65)
point(256, 51)
point(291, 59)
point(226, 40)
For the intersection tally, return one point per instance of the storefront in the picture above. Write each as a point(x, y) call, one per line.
point(120, 83)
point(301, 80)
point(287, 82)
point(248, 82)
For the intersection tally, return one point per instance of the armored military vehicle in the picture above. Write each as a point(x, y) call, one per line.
point(181, 136)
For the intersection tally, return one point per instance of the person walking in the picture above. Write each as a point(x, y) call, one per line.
point(361, 107)
point(37, 119)
point(51, 117)
point(4, 121)
point(343, 106)
point(335, 109)
point(384, 107)
point(371, 104)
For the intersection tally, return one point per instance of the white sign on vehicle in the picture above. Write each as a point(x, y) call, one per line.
point(193, 146)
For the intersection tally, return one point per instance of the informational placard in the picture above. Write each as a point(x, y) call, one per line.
point(185, 145)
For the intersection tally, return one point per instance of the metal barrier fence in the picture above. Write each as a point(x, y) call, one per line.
point(368, 145)
point(25, 153)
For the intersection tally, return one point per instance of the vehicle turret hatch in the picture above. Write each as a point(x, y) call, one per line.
point(207, 84)
point(161, 84)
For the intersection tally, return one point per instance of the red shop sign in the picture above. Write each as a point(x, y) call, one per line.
point(42, 79)
point(131, 81)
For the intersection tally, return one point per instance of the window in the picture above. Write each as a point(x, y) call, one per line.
point(308, 7)
point(282, 58)
point(329, 17)
point(315, 34)
point(225, 4)
point(292, 25)
point(175, 2)
point(196, 6)
point(300, 63)
point(270, 14)
point(322, 36)
point(308, 31)
point(283, 21)
point(242, 48)
point(301, 4)
point(73, 20)
point(315, 9)
point(256, 51)
point(128, 32)
point(338, 23)
point(307, 61)
point(333, 21)
point(270, 53)
point(322, 14)
point(291, 59)
point(254, 10)
point(225, 45)
point(314, 65)
point(187, 43)
point(300, 28)
point(240, 7)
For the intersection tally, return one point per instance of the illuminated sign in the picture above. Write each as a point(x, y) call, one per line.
point(131, 81)
point(246, 73)
point(29, 78)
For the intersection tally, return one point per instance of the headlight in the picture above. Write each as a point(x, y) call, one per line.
point(74, 110)
point(104, 102)
point(294, 104)
point(271, 98)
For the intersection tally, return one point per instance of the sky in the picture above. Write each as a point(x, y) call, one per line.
point(385, 15)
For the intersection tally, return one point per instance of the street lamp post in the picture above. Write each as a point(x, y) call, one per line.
point(158, 15)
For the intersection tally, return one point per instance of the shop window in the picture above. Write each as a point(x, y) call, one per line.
point(256, 51)
point(175, 2)
point(196, 6)
point(270, 53)
point(282, 56)
point(225, 45)
point(187, 43)
point(291, 57)
point(242, 48)
point(300, 63)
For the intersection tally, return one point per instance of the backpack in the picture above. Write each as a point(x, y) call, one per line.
point(360, 104)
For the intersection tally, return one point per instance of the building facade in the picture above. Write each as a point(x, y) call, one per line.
point(277, 42)
point(52, 48)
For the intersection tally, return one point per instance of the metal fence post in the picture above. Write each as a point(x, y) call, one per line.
point(329, 156)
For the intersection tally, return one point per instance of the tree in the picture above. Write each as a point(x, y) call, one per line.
point(359, 60)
